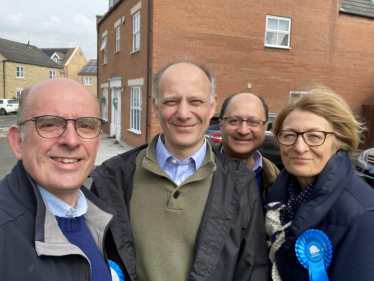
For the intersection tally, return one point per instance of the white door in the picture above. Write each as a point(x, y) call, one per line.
point(115, 125)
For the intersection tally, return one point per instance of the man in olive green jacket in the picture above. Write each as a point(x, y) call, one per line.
point(243, 123)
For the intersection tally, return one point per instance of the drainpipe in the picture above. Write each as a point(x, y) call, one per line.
point(149, 96)
point(4, 77)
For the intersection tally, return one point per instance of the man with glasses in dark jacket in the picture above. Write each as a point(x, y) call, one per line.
point(185, 211)
point(243, 123)
point(51, 227)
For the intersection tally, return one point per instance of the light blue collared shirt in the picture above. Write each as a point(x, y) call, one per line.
point(258, 160)
point(177, 170)
point(60, 209)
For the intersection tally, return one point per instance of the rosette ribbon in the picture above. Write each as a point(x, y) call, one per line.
point(314, 251)
point(116, 272)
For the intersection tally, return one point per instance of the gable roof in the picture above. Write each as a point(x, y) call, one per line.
point(89, 68)
point(24, 53)
point(364, 8)
point(63, 53)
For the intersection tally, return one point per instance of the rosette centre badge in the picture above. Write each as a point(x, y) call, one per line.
point(314, 251)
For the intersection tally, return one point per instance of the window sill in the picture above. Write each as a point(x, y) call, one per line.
point(116, 52)
point(277, 47)
point(134, 131)
point(20, 77)
point(88, 85)
point(104, 63)
point(134, 52)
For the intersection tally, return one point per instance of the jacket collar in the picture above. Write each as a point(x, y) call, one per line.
point(330, 183)
point(49, 240)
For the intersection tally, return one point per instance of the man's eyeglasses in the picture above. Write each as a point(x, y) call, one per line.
point(237, 122)
point(50, 127)
point(311, 138)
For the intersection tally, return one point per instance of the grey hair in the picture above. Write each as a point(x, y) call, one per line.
point(22, 102)
point(157, 77)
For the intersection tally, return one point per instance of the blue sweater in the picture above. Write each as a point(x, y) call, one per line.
point(76, 231)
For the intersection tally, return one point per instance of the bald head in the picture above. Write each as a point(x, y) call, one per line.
point(157, 77)
point(57, 87)
point(245, 98)
point(55, 91)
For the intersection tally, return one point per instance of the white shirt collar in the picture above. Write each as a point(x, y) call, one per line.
point(60, 209)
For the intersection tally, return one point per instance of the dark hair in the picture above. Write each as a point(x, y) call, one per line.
point(157, 77)
point(227, 101)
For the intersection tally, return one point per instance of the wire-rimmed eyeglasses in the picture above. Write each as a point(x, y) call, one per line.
point(237, 122)
point(311, 138)
point(50, 127)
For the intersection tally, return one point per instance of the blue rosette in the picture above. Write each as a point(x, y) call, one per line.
point(314, 251)
point(117, 270)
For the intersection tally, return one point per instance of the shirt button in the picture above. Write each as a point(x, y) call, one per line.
point(174, 161)
point(176, 195)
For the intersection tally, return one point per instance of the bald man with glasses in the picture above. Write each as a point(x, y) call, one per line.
point(243, 123)
point(52, 227)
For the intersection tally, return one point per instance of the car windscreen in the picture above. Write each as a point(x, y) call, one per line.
point(13, 101)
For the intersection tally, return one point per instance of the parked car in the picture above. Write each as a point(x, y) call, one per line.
point(365, 165)
point(268, 149)
point(8, 106)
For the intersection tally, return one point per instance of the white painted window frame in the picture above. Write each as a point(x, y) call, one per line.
point(296, 94)
point(20, 70)
point(18, 94)
point(88, 81)
point(136, 31)
point(136, 110)
point(118, 36)
point(52, 74)
point(277, 31)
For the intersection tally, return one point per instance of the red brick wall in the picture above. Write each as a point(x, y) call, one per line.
point(327, 48)
point(130, 66)
point(228, 36)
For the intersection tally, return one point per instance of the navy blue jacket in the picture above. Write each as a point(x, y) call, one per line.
point(342, 206)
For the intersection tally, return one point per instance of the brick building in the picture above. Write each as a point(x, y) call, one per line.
point(88, 76)
point(71, 59)
point(271, 48)
point(22, 66)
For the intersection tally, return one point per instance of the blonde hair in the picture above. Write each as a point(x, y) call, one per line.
point(323, 102)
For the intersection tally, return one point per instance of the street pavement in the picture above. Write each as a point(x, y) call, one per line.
point(109, 147)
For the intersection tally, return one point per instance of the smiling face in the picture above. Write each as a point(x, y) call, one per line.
point(241, 142)
point(59, 165)
point(184, 108)
point(303, 161)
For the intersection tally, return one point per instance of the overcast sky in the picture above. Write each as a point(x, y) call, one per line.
point(52, 24)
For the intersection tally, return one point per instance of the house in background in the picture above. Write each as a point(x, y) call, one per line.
point(275, 49)
point(88, 76)
point(71, 59)
point(22, 66)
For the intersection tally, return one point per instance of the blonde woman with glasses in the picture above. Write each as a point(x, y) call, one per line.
point(320, 214)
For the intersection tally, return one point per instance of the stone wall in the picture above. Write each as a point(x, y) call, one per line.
point(33, 74)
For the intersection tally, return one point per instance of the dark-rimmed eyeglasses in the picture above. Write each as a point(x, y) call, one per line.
point(237, 122)
point(311, 138)
point(50, 127)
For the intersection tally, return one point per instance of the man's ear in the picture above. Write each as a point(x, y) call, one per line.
point(155, 108)
point(267, 126)
point(14, 138)
point(213, 106)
